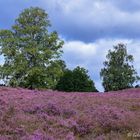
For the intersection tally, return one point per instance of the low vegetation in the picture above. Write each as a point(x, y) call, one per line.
point(51, 115)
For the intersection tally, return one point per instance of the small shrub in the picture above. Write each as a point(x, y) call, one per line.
point(113, 119)
point(67, 113)
point(53, 110)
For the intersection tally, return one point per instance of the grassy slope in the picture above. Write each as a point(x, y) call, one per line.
point(47, 115)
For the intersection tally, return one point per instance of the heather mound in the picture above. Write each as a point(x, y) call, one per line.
point(50, 115)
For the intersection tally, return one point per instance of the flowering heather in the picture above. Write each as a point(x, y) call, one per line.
point(50, 115)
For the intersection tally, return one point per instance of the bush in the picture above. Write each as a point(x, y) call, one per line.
point(76, 80)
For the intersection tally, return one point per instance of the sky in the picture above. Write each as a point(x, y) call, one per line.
point(89, 28)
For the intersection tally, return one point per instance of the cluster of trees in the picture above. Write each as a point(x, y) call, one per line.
point(32, 59)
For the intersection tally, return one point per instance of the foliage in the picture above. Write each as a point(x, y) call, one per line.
point(76, 80)
point(54, 71)
point(118, 72)
point(30, 51)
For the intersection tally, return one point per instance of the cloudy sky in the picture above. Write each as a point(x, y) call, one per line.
point(89, 28)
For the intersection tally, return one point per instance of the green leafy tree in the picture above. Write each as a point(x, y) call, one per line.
point(76, 80)
point(55, 70)
point(118, 72)
point(29, 50)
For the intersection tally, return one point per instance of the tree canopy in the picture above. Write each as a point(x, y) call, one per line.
point(118, 72)
point(30, 50)
point(76, 80)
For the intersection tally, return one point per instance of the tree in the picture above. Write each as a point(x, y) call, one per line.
point(118, 72)
point(76, 80)
point(55, 70)
point(29, 50)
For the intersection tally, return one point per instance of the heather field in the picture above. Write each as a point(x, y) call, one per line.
point(50, 115)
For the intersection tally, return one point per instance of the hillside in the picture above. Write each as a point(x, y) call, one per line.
point(47, 115)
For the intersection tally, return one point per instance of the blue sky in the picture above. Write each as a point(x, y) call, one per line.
point(89, 28)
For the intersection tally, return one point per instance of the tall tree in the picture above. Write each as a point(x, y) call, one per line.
point(29, 49)
point(76, 80)
point(118, 72)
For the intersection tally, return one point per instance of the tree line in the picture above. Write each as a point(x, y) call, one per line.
point(32, 59)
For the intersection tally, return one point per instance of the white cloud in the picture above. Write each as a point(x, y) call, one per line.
point(80, 49)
